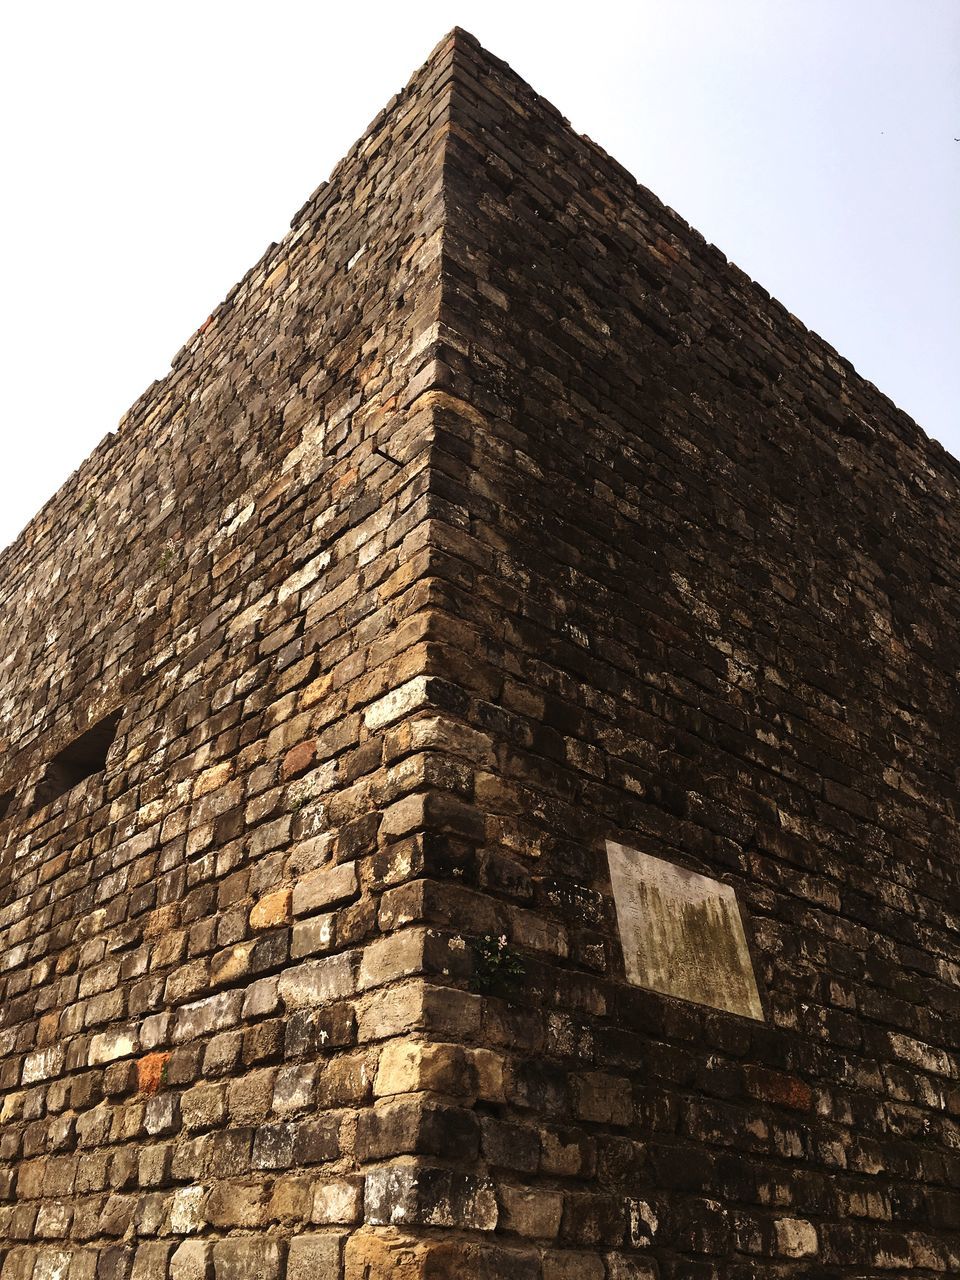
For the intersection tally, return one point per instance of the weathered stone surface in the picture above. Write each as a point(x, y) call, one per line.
point(192, 1260)
point(430, 1197)
point(271, 911)
point(796, 1238)
point(325, 888)
point(247, 1259)
point(681, 932)
point(315, 1257)
point(531, 1213)
point(408, 1066)
point(319, 981)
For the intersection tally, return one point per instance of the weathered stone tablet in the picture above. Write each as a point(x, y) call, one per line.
point(682, 933)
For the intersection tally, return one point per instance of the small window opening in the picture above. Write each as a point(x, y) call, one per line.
point(6, 800)
point(84, 757)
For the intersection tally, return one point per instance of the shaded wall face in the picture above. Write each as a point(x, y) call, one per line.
point(712, 577)
point(228, 570)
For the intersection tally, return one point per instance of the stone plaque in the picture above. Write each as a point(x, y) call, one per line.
point(682, 933)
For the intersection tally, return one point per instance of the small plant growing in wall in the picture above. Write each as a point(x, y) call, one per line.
point(299, 800)
point(497, 967)
point(169, 555)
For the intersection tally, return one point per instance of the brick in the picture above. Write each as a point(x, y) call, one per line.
point(315, 1257)
point(407, 1066)
point(328, 887)
point(398, 1194)
point(248, 1259)
point(192, 1260)
point(272, 910)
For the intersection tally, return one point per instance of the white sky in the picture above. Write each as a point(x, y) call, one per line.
point(151, 151)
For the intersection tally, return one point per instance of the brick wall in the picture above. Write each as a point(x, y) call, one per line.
point(493, 516)
point(709, 582)
point(239, 569)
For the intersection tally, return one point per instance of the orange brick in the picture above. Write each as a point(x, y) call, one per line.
point(299, 759)
point(272, 910)
point(150, 1072)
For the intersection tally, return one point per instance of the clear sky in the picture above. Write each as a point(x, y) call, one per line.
point(151, 152)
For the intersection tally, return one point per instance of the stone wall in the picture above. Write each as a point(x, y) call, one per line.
point(708, 580)
point(493, 517)
point(239, 571)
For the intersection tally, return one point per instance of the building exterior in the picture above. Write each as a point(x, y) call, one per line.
point(480, 763)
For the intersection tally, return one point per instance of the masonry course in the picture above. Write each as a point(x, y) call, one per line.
point(493, 516)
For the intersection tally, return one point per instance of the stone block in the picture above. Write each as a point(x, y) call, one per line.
point(329, 887)
point(622, 1266)
point(530, 1212)
point(272, 911)
point(250, 1097)
point(373, 1252)
point(153, 1165)
point(415, 1126)
point(236, 1205)
point(319, 982)
point(248, 1259)
point(428, 1196)
point(573, 1266)
point(150, 1261)
point(796, 1238)
point(316, 1031)
point(294, 1088)
point(187, 1209)
point(261, 998)
point(604, 1099)
point(273, 1146)
point(48, 1264)
point(107, 1046)
point(338, 1200)
point(192, 1260)
point(398, 702)
point(298, 759)
point(115, 1262)
point(162, 1114)
point(309, 937)
point(316, 1141)
point(401, 955)
point(315, 1257)
point(203, 1106)
point(215, 1013)
point(410, 1066)
point(345, 1081)
point(83, 1265)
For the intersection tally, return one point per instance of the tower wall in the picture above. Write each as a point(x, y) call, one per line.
point(183, 1047)
point(494, 518)
point(710, 576)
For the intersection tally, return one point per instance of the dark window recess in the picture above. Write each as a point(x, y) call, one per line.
point(6, 800)
point(84, 757)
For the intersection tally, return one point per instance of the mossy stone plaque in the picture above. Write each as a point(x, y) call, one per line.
point(682, 933)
